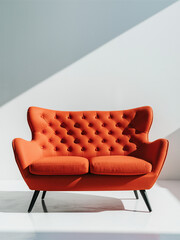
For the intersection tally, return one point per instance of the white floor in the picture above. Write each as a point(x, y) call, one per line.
point(90, 215)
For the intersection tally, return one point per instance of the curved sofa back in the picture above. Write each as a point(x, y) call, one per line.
point(89, 133)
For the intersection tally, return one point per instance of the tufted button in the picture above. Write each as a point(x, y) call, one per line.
point(70, 116)
point(70, 132)
point(118, 124)
point(97, 132)
point(110, 132)
point(63, 125)
point(43, 131)
point(90, 125)
point(104, 140)
point(97, 149)
point(83, 117)
point(43, 147)
point(77, 125)
point(118, 140)
point(83, 132)
point(125, 148)
point(97, 116)
point(83, 149)
point(56, 116)
point(90, 140)
point(69, 149)
point(104, 125)
point(124, 116)
point(56, 149)
point(50, 140)
point(50, 124)
point(42, 116)
point(63, 140)
point(76, 141)
point(56, 132)
point(111, 149)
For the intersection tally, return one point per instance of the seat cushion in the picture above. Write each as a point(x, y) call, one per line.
point(60, 165)
point(119, 165)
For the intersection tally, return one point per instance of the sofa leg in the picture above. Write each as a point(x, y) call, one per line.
point(44, 206)
point(35, 195)
point(43, 195)
point(136, 194)
point(144, 195)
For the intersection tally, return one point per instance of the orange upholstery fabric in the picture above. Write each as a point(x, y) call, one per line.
point(119, 165)
point(60, 165)
point(89, 134)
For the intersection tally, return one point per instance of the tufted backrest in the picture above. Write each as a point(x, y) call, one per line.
point(89, 133)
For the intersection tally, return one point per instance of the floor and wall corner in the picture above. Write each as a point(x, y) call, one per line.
point(98, 55)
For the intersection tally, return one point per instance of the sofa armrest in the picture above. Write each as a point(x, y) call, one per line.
point(153, 152)
point(26, 152)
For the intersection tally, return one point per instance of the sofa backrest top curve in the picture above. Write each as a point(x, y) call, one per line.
point(89, 133)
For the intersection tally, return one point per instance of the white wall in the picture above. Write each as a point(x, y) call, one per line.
point(39, 38)
point(140, 67)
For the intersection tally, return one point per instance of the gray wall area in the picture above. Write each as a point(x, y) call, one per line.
point(39, 38)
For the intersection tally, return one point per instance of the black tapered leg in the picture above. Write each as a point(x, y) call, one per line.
point(43, 195)
point(44, 206)
point(144, 195)
point(136, 194)
point(35, 195)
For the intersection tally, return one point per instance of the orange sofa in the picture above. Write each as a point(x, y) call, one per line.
point(90, 151)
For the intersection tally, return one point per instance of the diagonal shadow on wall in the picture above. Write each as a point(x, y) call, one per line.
point(41, 38)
